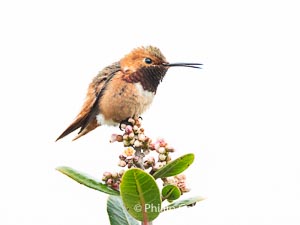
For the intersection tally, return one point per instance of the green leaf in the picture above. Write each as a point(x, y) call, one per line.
point(185, 202)
point(175, 167)
point(87, 181)
point(140, 195)
point(117, 213)
point(170, 192)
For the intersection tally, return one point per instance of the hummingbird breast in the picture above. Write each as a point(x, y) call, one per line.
point(129, 95)
point(122, 100)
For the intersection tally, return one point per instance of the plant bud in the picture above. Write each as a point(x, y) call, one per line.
point(121, 173)
point(180, 177)
point(106, 175)
point(122, 156)
point(131, 135)
point(157, 166)
point(131, 120)
point(170, 148)
point(137, 143)
point(135, 127)
point(150, 161)
point(161, 150)
point(126, 143)
point(141, 137)
point(109, 181)
point(125, 137)
point(156, 145)
point(162, 157)
point(119, 138)
point(115, 186)
point(114, 175)
point(152, 146)
point(128, 129)
point(122, 163)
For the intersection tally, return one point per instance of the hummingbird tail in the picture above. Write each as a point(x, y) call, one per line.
point(74, 126)
point(80, 122)
point(91, 126)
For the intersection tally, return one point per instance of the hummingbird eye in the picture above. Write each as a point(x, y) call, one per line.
point(148, 60)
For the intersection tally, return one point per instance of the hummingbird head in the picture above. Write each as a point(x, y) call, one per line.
point(149, 56)
point(143, 57)
point(148, 66)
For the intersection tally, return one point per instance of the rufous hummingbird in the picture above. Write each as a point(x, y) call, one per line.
point(122, 90)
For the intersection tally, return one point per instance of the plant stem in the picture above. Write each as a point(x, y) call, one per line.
point(138, 153)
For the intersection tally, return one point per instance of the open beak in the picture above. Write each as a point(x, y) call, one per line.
point(191, 65)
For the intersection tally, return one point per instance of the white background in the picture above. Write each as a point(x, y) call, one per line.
point(239, 115)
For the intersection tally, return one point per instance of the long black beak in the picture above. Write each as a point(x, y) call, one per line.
point(191, 65)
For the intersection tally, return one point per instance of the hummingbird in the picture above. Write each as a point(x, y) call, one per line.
point(122, 90)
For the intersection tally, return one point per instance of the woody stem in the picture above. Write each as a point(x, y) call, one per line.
point(140, 156)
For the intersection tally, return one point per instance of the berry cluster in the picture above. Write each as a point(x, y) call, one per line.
point(179, 181)
point(163, 150)
point(133, 135)
point(113, 180)
point(137, 146)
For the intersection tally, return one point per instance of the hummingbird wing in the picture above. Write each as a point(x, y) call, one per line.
point(86, 119)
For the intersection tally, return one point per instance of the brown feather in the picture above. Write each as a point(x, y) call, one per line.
point(91, 126)
point(86, 119)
